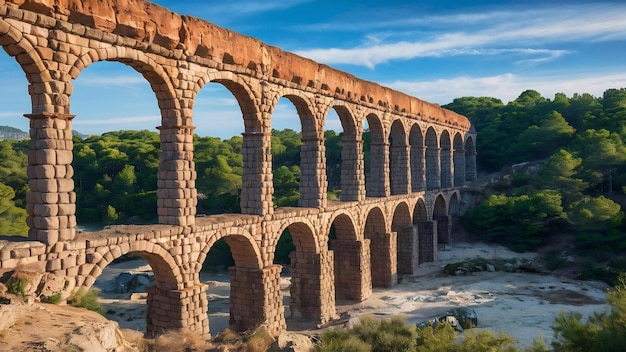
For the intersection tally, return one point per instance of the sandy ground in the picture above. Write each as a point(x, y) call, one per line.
point(522, 304)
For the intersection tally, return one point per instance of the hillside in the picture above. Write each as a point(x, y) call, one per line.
point(7, 132)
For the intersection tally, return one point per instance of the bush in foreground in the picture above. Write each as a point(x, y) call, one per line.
point(605, 331)
point(87, 299)
point(387, 335)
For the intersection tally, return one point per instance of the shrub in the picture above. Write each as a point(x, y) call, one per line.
point(88, 300)
point(259, 341)
point(54, 299)
point(386, 334)
point(16, 286)
point(341, 340)
point(180, 340)
point(394, 334)
point(605, 331)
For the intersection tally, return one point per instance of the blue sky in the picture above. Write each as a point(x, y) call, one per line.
point(435, 50)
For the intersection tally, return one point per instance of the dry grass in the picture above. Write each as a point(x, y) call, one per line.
point(180, 341)
point(258, 340)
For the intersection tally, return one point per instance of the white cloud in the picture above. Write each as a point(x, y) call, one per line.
point(508, 86)
point(208, 102)
point(129, 120)
point(229, 10)
point(4, 114)
point(111, 81)
point(500, 30)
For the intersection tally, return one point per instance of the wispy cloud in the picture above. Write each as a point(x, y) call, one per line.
point(5, 114)
point(111, 81)
point(231, 10)
point(255, 7)
point(508, 86)
point(118, 121)
point(498, 30)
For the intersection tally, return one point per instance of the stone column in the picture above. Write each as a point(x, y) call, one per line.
point(443, 229)
point(178, 309)
point(177, 194)
point(378, 182)
point(408, 250)
point(399, 169)
point(418, 174)
point(353, 278)
point(352, 168)
point(447, 169)
point(255, 299)
point(313, 173)
point(433, 168)
point(257, 187)
point(384, 259)
point(459, 167)
point(427, 238)
point(51, 200)
point(312, 289)
point(470, 167)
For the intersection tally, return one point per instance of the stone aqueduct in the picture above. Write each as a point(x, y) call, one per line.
point(385, 224)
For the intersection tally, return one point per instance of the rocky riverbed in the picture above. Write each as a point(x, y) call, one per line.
point(522, 304)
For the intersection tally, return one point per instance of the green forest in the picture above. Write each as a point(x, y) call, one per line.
point(571, 152)
point(575, 183)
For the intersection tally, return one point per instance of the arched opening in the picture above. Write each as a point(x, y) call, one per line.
point(382, 255)
point(418, 174)
point(123, 290)
point(132, 289)
point(14, 145)
point(333, 137)
point(456, 229)
point(295, 154)
point(407, 241)
point(426, 232)
point(420, 213)
point(446, 160)
point(398, 159)
point(303, 292)
point(236, 298)
point(375, 151)
point(215, 274)
point(14, 98)
point(116, 148)
point(440, 214)
point(352, 277)
point(459, 160)
point(470, 160)
point(433, 176)
point(218, 146)
point(344, 158)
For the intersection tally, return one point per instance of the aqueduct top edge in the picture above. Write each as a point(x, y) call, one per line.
point(192, 38)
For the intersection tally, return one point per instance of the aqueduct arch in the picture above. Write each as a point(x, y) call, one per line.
point(430, 150)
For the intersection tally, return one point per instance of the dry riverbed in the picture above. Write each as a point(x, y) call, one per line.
point(522, 304)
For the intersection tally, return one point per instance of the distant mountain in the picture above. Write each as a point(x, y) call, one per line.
point(78, 134)
point(7, 132)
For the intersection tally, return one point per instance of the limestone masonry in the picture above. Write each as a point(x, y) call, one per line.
point(386, 223)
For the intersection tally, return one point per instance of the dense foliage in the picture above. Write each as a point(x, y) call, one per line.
point(565, 161)
point(394, 334)
point(603, 331)
point(13, 187)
